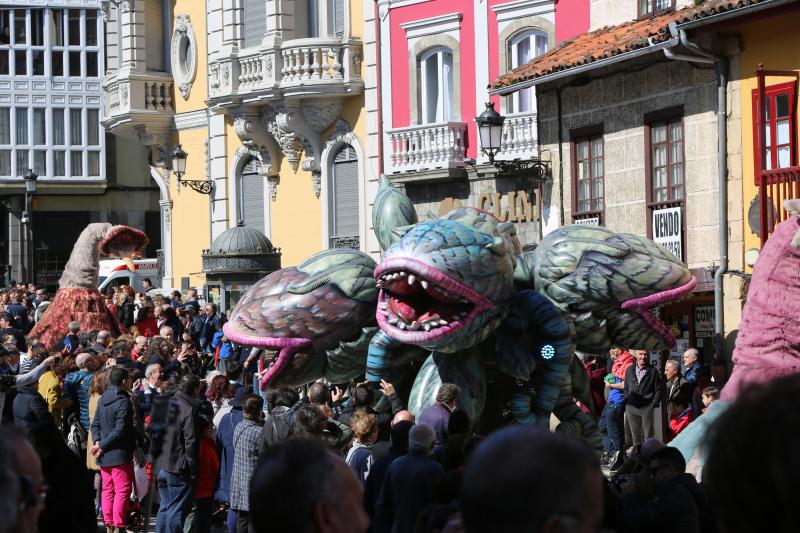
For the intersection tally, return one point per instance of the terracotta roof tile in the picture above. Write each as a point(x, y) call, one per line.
point(611, 41)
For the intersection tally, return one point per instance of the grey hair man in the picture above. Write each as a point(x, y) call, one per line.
point(679, 390)
point(407, 488)
point(299, 485)
point(499, 495)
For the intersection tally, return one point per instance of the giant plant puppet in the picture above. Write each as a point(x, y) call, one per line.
point(455, 300)
point(77, 298)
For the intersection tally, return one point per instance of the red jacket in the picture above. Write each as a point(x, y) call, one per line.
point(209, 469)
point(679, 421)
point(147, 327)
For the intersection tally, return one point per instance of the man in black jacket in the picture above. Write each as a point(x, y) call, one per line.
point(178, 462)
point(29, 408)
point(642, 395)
point(114, 442)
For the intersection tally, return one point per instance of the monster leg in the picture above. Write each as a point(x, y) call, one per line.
point(566, 409)
point(377, 355)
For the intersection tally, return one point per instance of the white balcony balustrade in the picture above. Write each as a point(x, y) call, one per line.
point(428, 147)
point(520, 137)
point(138, 100)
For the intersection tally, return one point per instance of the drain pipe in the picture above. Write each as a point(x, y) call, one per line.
point(721, 75)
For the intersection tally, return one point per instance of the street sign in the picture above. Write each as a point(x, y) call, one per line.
point(667, 228)
point(591, 221)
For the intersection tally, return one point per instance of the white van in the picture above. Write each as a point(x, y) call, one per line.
point(114, 272)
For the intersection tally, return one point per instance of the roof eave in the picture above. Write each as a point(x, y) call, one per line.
point(584, 68)
point(733, 13)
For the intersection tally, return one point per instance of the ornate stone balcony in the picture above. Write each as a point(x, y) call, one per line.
point(520, 137)
point(301, 68)
point(427, 147)
point(139, 102)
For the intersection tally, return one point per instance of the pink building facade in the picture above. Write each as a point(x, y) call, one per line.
point(437, 58)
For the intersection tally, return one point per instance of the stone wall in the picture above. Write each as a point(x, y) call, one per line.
point(619, 102)
point(613, 12)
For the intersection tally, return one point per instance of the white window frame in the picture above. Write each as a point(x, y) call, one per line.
point(534, 36)
point(443, 113)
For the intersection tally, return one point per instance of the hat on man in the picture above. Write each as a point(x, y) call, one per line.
point(190, 307)
point(80, 361)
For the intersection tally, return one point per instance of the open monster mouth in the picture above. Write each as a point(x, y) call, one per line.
point(644, 307)
point(124, 242)
point(418, 304)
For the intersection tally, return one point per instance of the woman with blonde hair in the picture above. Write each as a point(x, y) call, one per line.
point(96, 390)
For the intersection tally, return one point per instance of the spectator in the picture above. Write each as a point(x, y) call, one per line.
point(677, 503)
point(7, 328)
point(146, 323)
point(178, 462)
point(301, 486)
point(9, 381)
point(710, 395)
point(76, 386)
point(212, 323)
point(147, 284)
point(96, 390)
point(114, 441)
point(365, 431)
point(438, 414)
point(207, 476)
point(50, 389)
point(225, 427)
point(150, 389)
point(30, 408)
point(612, 418)
point(381, 448)
point(246, 439)
point(380, 467)
point(71, 342)
point(18, 314)
point(311, 422)
point(365, 397)
point(139, 347)
point(498, 494)
point(595, 367)
point(679, 390)
point(407, 488)
point(175, 299)
point(218, 392)
point(691, 364)
point(29, 484)
point(642, 395)
point(680, 417)
point(282, 405)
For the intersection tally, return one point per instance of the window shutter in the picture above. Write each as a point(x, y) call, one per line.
point(338, 14)
point(252, 184)
point(255, 22)
point(345, 194)
point(154, 34)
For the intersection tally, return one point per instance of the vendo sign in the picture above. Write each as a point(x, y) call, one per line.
point(667, 229)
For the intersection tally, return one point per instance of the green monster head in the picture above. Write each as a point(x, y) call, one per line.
point(609, 283)
point(443, 284)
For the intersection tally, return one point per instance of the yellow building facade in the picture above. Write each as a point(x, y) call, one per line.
point(769, 41)
point(270, 101)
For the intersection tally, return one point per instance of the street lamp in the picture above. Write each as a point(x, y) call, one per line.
point(490, 131)
point(178, 160)
point(30, 182)
point(30, 178)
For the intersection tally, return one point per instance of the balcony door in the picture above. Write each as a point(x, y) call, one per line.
point(251, 197)
point(436, 85)
point(326, 18)
point(523, 47)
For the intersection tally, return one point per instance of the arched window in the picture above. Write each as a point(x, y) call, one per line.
point(343, 199)
point(436, 85)
point(522, 48)
point(251, 196)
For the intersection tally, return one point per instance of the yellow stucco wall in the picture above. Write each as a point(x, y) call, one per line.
point(191, 214)
point(769, 42)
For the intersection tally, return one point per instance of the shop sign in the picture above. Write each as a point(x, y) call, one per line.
point(704, 318)
point(590, 221)
point(667, 229)
point(514, 206)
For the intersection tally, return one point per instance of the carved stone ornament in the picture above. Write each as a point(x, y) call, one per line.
point(357, 63)
point(126, 6)
point(272, 183)
point(213, 75)
point(105, 8)
point(321, 116)
point(123, 90)
point(268, 66)
point(184, 54)
point(289, 143)
point(316, 182)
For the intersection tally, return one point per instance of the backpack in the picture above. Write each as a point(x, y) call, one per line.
point(76, 439)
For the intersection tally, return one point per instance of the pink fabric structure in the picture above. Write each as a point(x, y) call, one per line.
point(768, 345)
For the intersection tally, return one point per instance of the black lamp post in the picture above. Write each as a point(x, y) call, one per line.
point(490, 130)
point(178, 158)
point(30, 178)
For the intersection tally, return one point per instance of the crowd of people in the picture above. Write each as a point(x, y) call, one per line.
point(168, 420)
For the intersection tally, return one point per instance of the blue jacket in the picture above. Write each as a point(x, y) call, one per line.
point(76, 388)
point(437, 416)
point(226, 452)
point(691, 373)
point(112, 427)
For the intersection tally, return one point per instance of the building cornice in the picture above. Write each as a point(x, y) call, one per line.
point(191, 120)
point(433, 25)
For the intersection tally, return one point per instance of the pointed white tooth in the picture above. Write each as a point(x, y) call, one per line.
point(401, 274)
point(442, 322)
point(427, 327)
point(424, 284)
point(392, 320)
point(411, 279)
point(401, 325)
point(463, 314)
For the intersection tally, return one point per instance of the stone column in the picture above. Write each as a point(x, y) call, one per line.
point(166, 241)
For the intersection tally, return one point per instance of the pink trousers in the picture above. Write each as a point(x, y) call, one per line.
point(117, 481)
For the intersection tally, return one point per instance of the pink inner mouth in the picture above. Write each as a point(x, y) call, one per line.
point(418, 304)
point(288, 346)
point(644, 305)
